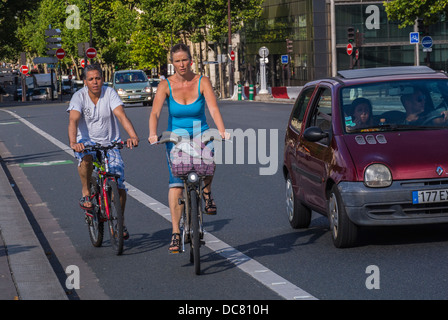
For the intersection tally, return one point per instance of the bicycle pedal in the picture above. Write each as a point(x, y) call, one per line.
point(202, 242)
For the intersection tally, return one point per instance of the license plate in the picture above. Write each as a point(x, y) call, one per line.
point(430, 196)
point(134, 97)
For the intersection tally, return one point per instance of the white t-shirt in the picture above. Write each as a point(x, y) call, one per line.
point(98, 123)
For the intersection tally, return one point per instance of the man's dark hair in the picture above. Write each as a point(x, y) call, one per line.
point(91, 67)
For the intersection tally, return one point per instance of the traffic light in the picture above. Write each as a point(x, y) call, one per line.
point(351, 34)
point(420, 26)
point(53, 41)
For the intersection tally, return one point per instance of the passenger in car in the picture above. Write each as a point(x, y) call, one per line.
point(361, 114)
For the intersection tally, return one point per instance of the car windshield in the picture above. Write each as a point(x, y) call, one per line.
point(130, 77)
point(395, 105)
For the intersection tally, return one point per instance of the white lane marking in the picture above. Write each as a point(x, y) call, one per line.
point(250, 266)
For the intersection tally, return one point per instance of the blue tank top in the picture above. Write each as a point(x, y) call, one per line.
point(189, 117)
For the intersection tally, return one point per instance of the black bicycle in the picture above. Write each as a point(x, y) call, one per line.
point(192, 161)
point(106, 206)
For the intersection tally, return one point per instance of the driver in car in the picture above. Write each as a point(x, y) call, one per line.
point(416, 113)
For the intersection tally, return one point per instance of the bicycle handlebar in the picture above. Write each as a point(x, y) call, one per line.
point(206, 137)
point(99, 147)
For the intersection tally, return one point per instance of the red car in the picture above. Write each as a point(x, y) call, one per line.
point(367, 148)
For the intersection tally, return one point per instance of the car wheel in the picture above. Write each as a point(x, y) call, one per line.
point(344, 232)
point(299, 216)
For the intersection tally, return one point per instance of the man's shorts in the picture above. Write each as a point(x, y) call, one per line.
point(116, 164)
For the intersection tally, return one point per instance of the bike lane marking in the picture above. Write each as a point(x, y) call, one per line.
point(256, 270)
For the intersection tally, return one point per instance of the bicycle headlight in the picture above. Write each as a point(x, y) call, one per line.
point(193, 177)
point(377, 176)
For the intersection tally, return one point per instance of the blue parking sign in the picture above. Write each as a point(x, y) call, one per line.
point(285, 59)
point(414, 37)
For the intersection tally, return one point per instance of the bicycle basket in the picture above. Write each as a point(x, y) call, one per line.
point(189, 156)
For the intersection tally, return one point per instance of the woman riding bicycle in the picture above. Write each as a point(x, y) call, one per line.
point(187, 94)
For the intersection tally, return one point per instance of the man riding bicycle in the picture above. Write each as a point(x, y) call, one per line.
point(93, 114)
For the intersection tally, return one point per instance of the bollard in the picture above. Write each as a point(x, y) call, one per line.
point(251, 92)
point(240, 91)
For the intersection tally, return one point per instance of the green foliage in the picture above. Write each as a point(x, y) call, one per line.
point(126, 33)
point(407, 11)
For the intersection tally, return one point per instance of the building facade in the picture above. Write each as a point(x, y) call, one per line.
point(317, 31)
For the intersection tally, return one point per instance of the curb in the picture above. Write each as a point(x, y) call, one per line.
point(31, 271)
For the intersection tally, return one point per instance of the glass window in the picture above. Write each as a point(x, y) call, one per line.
point(394, 105)
point(322, 112)
point(300, 107)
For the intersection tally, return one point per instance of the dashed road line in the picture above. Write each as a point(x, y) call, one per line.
point(256, 270)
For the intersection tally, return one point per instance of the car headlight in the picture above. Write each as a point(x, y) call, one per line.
point(377, 176)
point(121, 91)
point(148, 89)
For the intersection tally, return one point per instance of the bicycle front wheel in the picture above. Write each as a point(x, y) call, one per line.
point(94, 223)
point(115, 218)
point(195, 234)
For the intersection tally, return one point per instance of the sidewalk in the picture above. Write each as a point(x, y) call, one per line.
point(25, 272)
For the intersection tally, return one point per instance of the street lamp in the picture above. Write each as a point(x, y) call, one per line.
point(229, 50)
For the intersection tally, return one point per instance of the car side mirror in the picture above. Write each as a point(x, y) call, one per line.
point(314, 134)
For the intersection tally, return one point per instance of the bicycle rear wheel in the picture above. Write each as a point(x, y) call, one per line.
point(115, 217)
point(195, 235)
point(94, 223)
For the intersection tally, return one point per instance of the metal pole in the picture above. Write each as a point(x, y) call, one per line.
point(334, 66)
point(229, 50)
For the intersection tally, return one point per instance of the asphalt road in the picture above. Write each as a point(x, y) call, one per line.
point(252, 253)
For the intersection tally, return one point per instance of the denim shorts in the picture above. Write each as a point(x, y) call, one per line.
point(116, 164)
point(177, 182)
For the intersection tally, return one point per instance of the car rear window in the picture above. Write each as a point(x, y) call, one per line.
point(392, 105)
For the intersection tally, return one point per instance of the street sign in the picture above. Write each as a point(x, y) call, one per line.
point(60, 53)
point(91, 53)
point(427, 42)
point(349, 49)
point(414, 37)
point(263, 52)
point(232, 55)
point(52, 32)
point(285, 59)
point(24, 69)
point(210, 62)
point(83, 63)
point(45, 60)
point(54, 45)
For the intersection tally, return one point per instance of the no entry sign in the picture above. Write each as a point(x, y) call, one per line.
point(91, 53)
point(232, 55)
point(349, 49)
point(24, 69)
point(60, 53)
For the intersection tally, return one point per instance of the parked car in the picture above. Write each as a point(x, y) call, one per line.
point(133, 86)
point(40, 94)
point(18, 94)
point(390, 171)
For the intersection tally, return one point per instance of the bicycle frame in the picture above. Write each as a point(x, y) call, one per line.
point(101, 166)
point(188, 186)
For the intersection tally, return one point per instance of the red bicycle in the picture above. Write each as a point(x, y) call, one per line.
point(106, 206)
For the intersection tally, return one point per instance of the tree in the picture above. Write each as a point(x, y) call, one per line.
point(11, 11)
point(407, 11)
